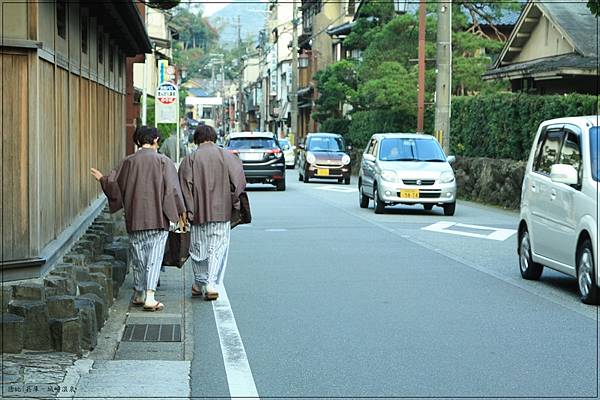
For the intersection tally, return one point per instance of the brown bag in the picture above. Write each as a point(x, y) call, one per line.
point(177, 249)
point(243, 215)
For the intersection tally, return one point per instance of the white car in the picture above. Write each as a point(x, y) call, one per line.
point(559, 203)
point(406, 168)
point(289, 152)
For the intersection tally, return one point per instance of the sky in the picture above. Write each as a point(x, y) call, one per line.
point(212, 6)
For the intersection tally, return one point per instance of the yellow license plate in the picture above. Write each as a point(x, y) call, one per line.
point(322, 172)
point(409, 194)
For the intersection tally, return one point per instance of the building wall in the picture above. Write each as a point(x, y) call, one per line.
point(545, 41)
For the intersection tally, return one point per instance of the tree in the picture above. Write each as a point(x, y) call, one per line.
point(337, 86)
point(594, 6)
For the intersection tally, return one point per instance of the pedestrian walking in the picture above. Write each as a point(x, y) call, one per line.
point(212, 180)
point(169, 147)
point(145, 185)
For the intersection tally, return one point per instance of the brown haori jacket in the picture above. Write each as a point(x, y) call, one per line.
point(145, 185)
point(212, 180)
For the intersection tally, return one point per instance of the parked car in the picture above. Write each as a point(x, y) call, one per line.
point(261, 155)
point(406, 168)
point(323, 156)
point(559, 203)
point(289, 153)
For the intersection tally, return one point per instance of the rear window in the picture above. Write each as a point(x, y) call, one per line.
point(251, 143)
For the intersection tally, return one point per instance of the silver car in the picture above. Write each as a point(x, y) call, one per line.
point(289, 152)
point(406, 168)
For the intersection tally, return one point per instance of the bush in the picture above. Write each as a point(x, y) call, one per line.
point(366, 123)
point(503, 125)
point(335, 125)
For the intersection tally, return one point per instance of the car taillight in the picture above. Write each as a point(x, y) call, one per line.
point(234, 151)
point(274, 151)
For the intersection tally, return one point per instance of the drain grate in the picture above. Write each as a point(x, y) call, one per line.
point(152, 333)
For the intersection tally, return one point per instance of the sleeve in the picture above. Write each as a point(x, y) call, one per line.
point(237, 179)
point(186, 182)
point(173, 204)
point(111, 188)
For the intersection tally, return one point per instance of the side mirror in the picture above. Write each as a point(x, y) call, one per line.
point(369, 157)
point(301, 146)
point(349, 148)
point(451, 159)
point(563, 173)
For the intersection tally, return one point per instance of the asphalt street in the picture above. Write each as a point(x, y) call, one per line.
point(328, 300)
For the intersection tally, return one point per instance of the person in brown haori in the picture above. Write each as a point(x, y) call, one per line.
point(145, 185)
point(212, 180)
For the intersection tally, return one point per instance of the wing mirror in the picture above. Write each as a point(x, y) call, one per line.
point(349, 148)
point(369, 157)
point(563, 173)
point(451, 159)
point(301, 146)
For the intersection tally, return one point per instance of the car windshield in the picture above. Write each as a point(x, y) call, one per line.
point(409, 149)
point(251, 143)
point(284, 143)
point(595, 152)
point(325, 143)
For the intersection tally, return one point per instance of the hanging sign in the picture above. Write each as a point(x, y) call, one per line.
point(167, 101)
point(162, 71)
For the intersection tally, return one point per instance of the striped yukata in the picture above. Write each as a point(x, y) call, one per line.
point(209, 249)
point(147, 249)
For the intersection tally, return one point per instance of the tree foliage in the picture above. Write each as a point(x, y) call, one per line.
point(594, 6)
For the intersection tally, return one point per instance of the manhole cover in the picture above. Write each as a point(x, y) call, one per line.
point(152, 333)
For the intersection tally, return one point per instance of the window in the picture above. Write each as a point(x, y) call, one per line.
point(549, 151)
point(595, 152)
point(61, 18)
point(326, 143)
point(351, 7)
point(100, 49)
point(571, 153)
point(84, 34)
point(408, 149)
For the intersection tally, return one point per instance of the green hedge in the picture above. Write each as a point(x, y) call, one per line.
point(503, 125)
point(366, 123)
point(335, 125)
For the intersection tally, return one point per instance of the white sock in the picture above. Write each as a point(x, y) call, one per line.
point(150, 297)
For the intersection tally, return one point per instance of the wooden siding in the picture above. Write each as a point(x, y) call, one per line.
point(14, 150)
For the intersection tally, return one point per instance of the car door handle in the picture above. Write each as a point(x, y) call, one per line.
point(553, 194)
point(533, 188)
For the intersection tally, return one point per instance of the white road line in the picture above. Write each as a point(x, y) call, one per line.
point(239, 376)
point(498, 234)
point(337, 189)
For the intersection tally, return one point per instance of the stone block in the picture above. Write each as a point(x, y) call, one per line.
point(120, 251)
point(12, 333)
point(66, 336)
point(59, 286)
point(86, 309)
point(36, 328)
point(84, 251)
point(65, 270)
point(119, 272)
point(104, 236)
point(6, 293)
point(87, 287)
point(60, 307)
point(100, 307)
point(29, 291)
point(96, 242)
point(76, 259)
point(106, 284)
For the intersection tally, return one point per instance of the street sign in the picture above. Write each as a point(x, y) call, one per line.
point(162, 71)
point(167, 103)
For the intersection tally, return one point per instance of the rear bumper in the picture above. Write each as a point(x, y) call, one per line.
point(264, 173)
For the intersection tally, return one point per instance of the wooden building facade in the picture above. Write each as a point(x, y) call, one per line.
point(63, 88)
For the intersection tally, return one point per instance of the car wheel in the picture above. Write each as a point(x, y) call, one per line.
point(305, 177)
point(428, 207)
point(280, 185)
point(340, 180)
point(529, 269)
point(586, 275)
point(363, 200)
point(347, 181)
point(449, 209)
point(378, 205)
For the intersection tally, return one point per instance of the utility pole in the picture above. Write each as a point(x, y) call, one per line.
point(240, 79)
point(421, 84)
point(294, 108)
point(443, 83)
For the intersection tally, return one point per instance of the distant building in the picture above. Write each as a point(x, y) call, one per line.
point(553, 49)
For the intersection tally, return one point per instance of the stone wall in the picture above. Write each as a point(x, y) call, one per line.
point(65, 310)
point(490, 181)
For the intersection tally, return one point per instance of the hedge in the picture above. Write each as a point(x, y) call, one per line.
point(365, 123)
point(503, 125)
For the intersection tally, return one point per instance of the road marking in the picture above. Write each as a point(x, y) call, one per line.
point(276, 230)
point(237, 368)
point(498, 234)
point(337, 189)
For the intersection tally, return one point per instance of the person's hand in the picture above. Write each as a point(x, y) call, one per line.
point(97, 174)
point(182, 223)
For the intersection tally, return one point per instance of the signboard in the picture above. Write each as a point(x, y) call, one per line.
point(163, 65)
point(167, 103)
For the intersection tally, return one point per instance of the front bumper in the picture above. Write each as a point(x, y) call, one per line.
point(328, 172)
point(438, 193)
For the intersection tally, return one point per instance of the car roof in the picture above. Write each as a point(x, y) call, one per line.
point(250, 135)
point(324, 134)
point(585, 120)
point(399, 135)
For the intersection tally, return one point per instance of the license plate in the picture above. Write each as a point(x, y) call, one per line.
point(409, 194)
point(251, 156)
point(322, 172)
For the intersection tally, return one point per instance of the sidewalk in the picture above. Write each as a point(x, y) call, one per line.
point(139, 354)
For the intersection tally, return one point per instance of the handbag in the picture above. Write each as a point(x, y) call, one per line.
point(243, 215)
point(177, 249)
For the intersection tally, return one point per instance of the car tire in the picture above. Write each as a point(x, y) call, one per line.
point(586, 274)
point(428, 207)
point(363, 201)
point(280, 185)
point(340, 180)
point(378, 205)
point(529, 269)
point(347, 181)
point(449, 209)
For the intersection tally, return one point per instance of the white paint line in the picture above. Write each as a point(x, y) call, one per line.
point(497, 234)
point(337, 189)
point(276, 230)
point(239, 376)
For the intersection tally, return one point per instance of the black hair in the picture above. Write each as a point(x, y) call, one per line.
point(145, 135)
point(204, 133)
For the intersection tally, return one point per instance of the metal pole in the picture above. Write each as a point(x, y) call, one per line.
point(421, 93)
point(443, 84)
point(294, 105)
point(240, 80)
point(178, 156)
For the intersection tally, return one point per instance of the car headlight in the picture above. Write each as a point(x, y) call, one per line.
point(388, 175)
point(310, 158)
point(447, 177)
point(346, 159)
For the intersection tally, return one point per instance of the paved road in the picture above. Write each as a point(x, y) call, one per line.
point(332, 300)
